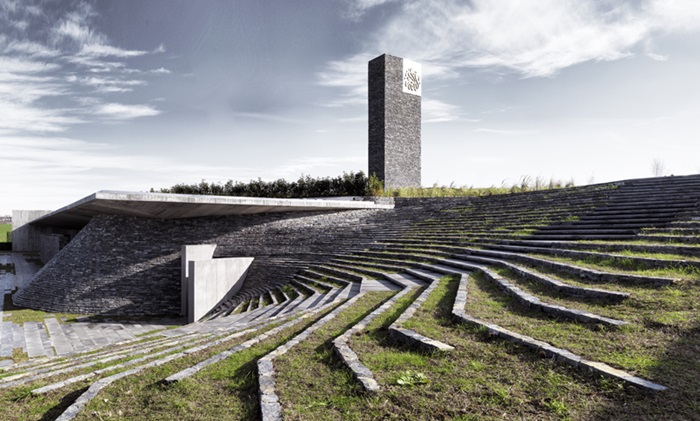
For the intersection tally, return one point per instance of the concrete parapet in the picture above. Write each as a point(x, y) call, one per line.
point(210, 281)
point(26, 237)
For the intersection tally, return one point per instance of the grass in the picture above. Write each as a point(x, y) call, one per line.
point(631, 266)
point(652, 255)
point(525, 184)
point(661, 352)
point(5, 233)
point(479, 380)
point(21, 315)
point(311, 366)
point(206, 396)
point(482, 379)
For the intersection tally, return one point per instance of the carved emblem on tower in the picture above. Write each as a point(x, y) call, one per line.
point(412, 83)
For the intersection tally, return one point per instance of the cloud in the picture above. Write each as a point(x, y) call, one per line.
point(107, 84)
point(267, 117)
point(67, 169)
point(30, 48)
point(160, 71)
point(102, 50)
point(359, 7)
point(47, 76)
point(435, 111)
point(124, 111)
point(535, 38)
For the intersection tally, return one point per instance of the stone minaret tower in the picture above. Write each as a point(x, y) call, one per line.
point(395, 87)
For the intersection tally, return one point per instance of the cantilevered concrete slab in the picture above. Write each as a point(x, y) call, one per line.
point(175, 206)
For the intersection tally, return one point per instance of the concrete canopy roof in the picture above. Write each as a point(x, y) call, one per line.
point(175, 206)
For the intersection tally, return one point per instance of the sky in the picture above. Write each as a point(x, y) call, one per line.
point(139, 94)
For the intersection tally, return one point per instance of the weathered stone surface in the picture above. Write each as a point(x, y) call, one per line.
point(394, 125)
point(127, 265)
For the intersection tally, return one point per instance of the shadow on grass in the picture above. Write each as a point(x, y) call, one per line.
point(65, 402)
point(678, 370)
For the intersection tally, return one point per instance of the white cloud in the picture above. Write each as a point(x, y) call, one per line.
point(71, 29)
point(30, 48)
point(534, 38)
point(124, 111)
point(267, 117)
point(435, 111)
point(107, 84)
point(359, 7)
point(57, 68)
point(102, 50)
point(65, 170)
point(161, 71)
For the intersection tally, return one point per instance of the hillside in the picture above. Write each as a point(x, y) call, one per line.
point(577, 303)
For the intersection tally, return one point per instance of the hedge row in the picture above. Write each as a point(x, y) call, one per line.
point(349, 184)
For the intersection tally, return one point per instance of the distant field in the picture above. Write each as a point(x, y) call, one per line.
point(5, 233)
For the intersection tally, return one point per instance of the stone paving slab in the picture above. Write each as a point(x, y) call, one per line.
point(378, 285)
point(82, 334)
point(73, 338)
point(6, 341)
point(18, 340)
point(45, 341)
point(59, 340)
point(35, 347)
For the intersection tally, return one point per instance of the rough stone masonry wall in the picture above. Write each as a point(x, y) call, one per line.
point(129, 265)
point(51, 244)
point(394, 125)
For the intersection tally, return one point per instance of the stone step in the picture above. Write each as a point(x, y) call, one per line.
point(531, 301)
point(548, 350)
point(645, 261)
point(269, 401)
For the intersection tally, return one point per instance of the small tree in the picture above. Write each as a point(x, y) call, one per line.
point(658, 169)
point(375, 187)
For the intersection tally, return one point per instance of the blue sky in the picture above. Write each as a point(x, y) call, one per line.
point(134, 94)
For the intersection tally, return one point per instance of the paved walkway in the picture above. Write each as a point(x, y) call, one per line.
point(53, 337)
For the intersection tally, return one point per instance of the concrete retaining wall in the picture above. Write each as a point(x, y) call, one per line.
point(212, 281)
point(190, 254)
point(26, 237)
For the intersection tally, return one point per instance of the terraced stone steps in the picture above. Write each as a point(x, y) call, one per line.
point(584, 273)
point(238, 328)
point(269, 401)
point(642, 261)
point(398, 332)
point(543, 347)
point(52, 338)
point(526, 299)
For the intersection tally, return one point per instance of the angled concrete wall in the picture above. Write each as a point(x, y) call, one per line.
point(190, 254)
point(27, 237)
point(212, 281)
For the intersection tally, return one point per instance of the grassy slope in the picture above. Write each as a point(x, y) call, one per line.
point(4, 230)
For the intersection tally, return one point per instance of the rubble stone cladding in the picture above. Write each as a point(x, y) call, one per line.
point(131, 266)
point(394, 125)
